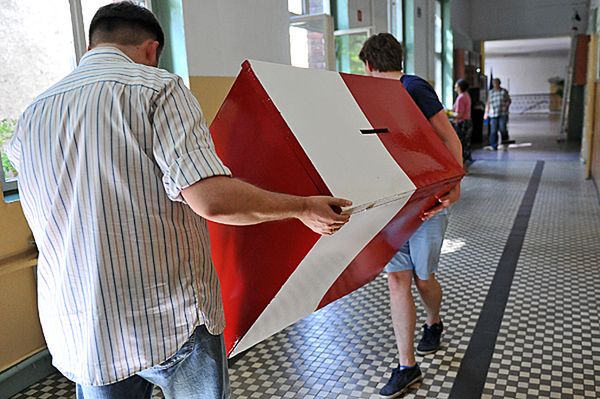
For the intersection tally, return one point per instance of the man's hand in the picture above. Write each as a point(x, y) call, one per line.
point(323, 215)
point(443, 202)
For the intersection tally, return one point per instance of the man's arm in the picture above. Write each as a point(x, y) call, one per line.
point(231, 201)
point(446, 132)
point(193, 172)
point(508, 100)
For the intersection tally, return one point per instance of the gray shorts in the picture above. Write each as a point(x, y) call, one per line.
point(421, 253)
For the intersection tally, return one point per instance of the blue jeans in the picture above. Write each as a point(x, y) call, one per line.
point(421, 253)
point(197, 371)
point(498, 123)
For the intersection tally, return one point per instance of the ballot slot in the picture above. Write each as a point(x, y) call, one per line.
point(375, 131)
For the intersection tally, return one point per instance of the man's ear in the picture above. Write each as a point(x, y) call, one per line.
point(151, 52)
point(368, 66)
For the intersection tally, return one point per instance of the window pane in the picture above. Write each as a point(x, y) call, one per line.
point(295, 6)
point(347, 47)
point(89, 8)
point(438, 47)
point(397, 19)
point(36, 51)
point(438, 27)
point(315, 7)
point(438, 75)
point(308, 46)
point(308, 7)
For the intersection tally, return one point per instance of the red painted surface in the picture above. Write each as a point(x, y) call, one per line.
point(416, 147)
point(253, 262)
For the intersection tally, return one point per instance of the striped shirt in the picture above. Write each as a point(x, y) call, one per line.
point(124, 270)
point(499, 103)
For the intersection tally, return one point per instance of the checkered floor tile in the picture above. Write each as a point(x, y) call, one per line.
point(548, 344)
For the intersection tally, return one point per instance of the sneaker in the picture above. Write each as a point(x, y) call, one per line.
point(489, 148)
point(432, 336)
point(400, 382)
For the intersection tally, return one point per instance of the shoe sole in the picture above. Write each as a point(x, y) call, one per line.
point(423, 353)
point(403, 390)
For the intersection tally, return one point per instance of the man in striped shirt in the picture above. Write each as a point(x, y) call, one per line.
point(115, 164)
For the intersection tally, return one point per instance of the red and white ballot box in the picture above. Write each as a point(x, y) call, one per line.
point(313, 132)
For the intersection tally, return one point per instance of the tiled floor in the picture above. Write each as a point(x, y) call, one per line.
point(549, 340)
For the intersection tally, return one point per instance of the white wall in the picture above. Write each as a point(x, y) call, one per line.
point(374, 13)
point(528, 74)
point(424, 39)
point(460, 11)
point(220, 34)
point(519, 19)
point(380, 16)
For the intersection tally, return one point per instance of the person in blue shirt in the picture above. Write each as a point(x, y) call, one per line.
point(418, 259)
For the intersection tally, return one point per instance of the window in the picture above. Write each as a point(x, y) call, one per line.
point(354, 25)
point(37, 52)
point(438, 46)
point(348, 43)
point(39, 49)
point(396, 19)
point(308, 7)
point(311, 41)
point(311, 34)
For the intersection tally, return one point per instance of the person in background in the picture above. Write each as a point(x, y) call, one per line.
point(496, 110)
point(462, 119)
point(117, 177)
point(418, 259)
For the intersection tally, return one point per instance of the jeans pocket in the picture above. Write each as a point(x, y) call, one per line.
point(186, 349)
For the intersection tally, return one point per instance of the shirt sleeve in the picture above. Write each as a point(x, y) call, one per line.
point(425, 97)
point(182, 146)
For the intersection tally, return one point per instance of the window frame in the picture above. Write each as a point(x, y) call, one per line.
point(368, 30)
point(9, 187)
point(306, 8)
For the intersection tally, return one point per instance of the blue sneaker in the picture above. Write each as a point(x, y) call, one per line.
point(431, 340)
point(401, 381)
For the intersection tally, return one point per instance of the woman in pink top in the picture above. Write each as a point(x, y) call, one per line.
point(462, 118)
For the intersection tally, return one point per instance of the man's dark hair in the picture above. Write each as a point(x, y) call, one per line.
point(463, 84)
point(383, 53)
point(497, 80)
point(125, 23)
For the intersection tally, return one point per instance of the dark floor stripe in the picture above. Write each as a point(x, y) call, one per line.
point(473, 370)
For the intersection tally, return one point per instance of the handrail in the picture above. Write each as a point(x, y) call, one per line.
point(535, 105)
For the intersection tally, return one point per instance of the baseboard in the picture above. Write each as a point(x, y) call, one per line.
point(25, 374)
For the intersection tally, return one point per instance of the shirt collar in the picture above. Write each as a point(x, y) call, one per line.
point(103, 54)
